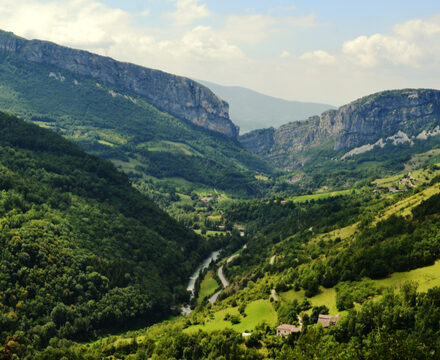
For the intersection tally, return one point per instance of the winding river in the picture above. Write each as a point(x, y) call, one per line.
point(186, 309)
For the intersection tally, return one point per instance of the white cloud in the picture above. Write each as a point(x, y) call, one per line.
point(78, 23)
point(381, 49)
point(415, 28)
point(407, 56)
point(93, 26)
point(255, 28)
point(319, 57)
point(187, 11)
point(203, 42)
point(146, 12)
point(413, 43)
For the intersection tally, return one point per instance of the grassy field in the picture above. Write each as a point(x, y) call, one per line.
point(173, 147)
point(388, 181)
point(318, 196)
point(210, 232)
point(262, 177)
point(427, 277)
point(342, 233)
point(405, 206)
point(257, 312)
point(326, 297)
point(208, 286)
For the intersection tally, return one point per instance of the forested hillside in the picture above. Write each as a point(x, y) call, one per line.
point(349, 254)
point(81, 250)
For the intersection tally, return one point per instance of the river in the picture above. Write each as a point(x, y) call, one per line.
point(186, 310)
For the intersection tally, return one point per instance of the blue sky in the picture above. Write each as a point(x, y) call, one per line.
point(324, 51)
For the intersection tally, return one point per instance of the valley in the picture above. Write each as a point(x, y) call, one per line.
point(137, 224)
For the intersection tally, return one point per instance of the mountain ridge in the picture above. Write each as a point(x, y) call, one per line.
point(176, 95)
point(363, 121)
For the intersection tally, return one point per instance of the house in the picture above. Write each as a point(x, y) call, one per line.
point(327, 320)
point(407, 182)
point(286, 329)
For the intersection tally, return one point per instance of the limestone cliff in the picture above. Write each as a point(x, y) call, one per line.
point(399, 115)
point(176, 95)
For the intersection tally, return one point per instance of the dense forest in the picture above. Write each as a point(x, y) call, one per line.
point(81, 250)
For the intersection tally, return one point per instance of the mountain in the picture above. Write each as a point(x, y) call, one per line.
point(81, 251)
point(373, 128)
point(251, 110)
point(176, 95)
point(145, 121)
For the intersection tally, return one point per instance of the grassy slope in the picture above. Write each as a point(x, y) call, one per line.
point(208, 286)
point(427, 277)
point(257, 312)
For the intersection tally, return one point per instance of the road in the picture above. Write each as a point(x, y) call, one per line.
point(272, 259)
point(222, 277)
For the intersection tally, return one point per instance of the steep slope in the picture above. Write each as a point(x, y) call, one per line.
point(385, 126)
point(176, 95)
point(121, 125)
point(80, 249)
point(251, 110)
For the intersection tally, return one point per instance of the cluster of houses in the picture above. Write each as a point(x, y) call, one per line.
point(406, 181)
point(325, 320)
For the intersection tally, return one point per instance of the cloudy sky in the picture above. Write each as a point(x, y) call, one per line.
point(317, 50)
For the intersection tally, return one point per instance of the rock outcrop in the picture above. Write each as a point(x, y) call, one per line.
point(370, 120)
point(176, 95)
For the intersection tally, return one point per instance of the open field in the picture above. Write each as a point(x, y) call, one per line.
point(326, 297)
point(208, 286)
point(405, 206)
point(257, 312)
point(427, 277)
point(210, 232)
point(318, 196)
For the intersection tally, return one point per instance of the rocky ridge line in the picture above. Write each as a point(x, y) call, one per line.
point(179, 96)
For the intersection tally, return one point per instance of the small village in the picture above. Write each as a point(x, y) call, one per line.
point(325, 320)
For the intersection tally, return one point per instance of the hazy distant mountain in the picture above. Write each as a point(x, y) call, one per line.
point(251, 110)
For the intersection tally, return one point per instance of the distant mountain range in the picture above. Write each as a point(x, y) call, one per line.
point(251, 110)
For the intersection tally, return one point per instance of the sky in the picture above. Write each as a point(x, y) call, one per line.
point(317, 50)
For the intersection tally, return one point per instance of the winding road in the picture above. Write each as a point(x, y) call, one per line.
point(223, 279)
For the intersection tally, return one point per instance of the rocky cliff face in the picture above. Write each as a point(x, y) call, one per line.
point(370, 120)
point(176, 95)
